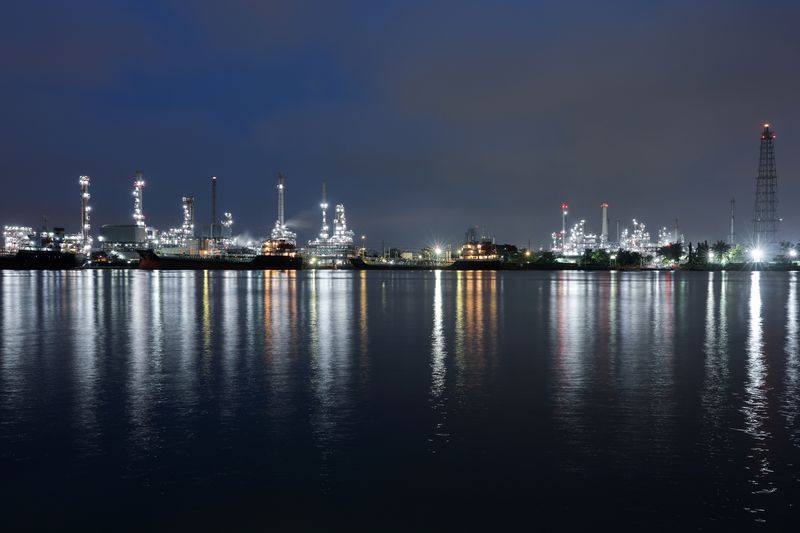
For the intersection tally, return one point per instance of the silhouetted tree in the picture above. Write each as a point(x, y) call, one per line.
point(628, 258)
point(736, 254)
point(671, 252)
point(545, 258)
point(721, 249)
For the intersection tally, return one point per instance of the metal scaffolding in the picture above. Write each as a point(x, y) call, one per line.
point(765, 221)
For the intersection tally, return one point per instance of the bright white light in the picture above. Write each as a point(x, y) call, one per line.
point(438, 251)
point(711, 256)
point(758, 254)
point(792, 253)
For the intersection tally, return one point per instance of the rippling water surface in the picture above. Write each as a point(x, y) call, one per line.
point(423, 400)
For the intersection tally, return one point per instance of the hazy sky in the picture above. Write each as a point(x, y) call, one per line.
point(423, 118)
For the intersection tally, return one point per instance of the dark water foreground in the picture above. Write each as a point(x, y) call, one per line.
point(399, 401)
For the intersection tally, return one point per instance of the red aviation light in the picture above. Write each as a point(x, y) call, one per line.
point(604, 205)
point(564, 206)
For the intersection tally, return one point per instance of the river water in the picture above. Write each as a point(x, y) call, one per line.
point(400, 400)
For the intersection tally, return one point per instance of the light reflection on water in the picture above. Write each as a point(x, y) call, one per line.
point(790, 404)
point(316, 386)
point(438, 365)
point(755, 406)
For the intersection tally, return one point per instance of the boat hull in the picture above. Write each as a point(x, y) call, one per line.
point(150, 260)
point(39, 260)
point(477, 264)
point(359, 264)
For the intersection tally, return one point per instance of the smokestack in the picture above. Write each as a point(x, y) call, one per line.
point(732, 237)
point(138, 199)
point(604, 223)
point(323, 234)
point(85, 239)
point(213, 203)
point(280, 200)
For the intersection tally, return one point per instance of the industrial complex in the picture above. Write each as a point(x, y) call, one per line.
point(124, 245)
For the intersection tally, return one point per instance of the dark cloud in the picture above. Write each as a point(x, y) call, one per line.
point(422, 117)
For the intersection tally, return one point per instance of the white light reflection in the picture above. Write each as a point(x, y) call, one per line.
point(716, 374)
point(755, 400)
point(139, 373)
point(792, 373)
point(363, 328)
point(280, 317)
point(573, 326)
point(331, 362)
point(438, 368)
point(84, 327)
point(231, 339)
point(18, 308)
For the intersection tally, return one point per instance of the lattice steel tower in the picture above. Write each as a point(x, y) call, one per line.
point(765, 221)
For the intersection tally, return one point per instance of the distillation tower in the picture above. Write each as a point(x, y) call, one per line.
point(138, 190)
point(86, 240)
point(280, 233)
point(213, 204)
point(332, 248)
point(604, 225)
point(765, 221)
point(187, 228)
point(323, 233)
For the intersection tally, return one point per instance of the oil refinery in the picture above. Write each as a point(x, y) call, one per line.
point(188, 245)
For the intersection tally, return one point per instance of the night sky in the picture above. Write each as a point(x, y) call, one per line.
point(423, 117)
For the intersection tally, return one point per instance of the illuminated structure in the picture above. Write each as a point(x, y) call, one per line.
point(330, 249)
point(577, 242)
point(213, 201)
point(16, 238)
point(86, 240)
point(138, 190)
point(184, 236)
point(637, 240)
point(604, 225)
point(227, 224)
point(280, 233)
point(323, 232)
point(765, 221)
point(732, 236)
point(479, 250)
point(665, 237)
point(341, 235)
point(564, 208)
point(187, 227)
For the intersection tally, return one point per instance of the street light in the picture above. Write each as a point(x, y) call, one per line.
point(758, 254)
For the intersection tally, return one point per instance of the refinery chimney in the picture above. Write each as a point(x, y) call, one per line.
point(604, 224)
point(85, 208)
point(138, 190)
point(187, 227)
point(323, 234)
point(281, 221)
point(213, 203)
